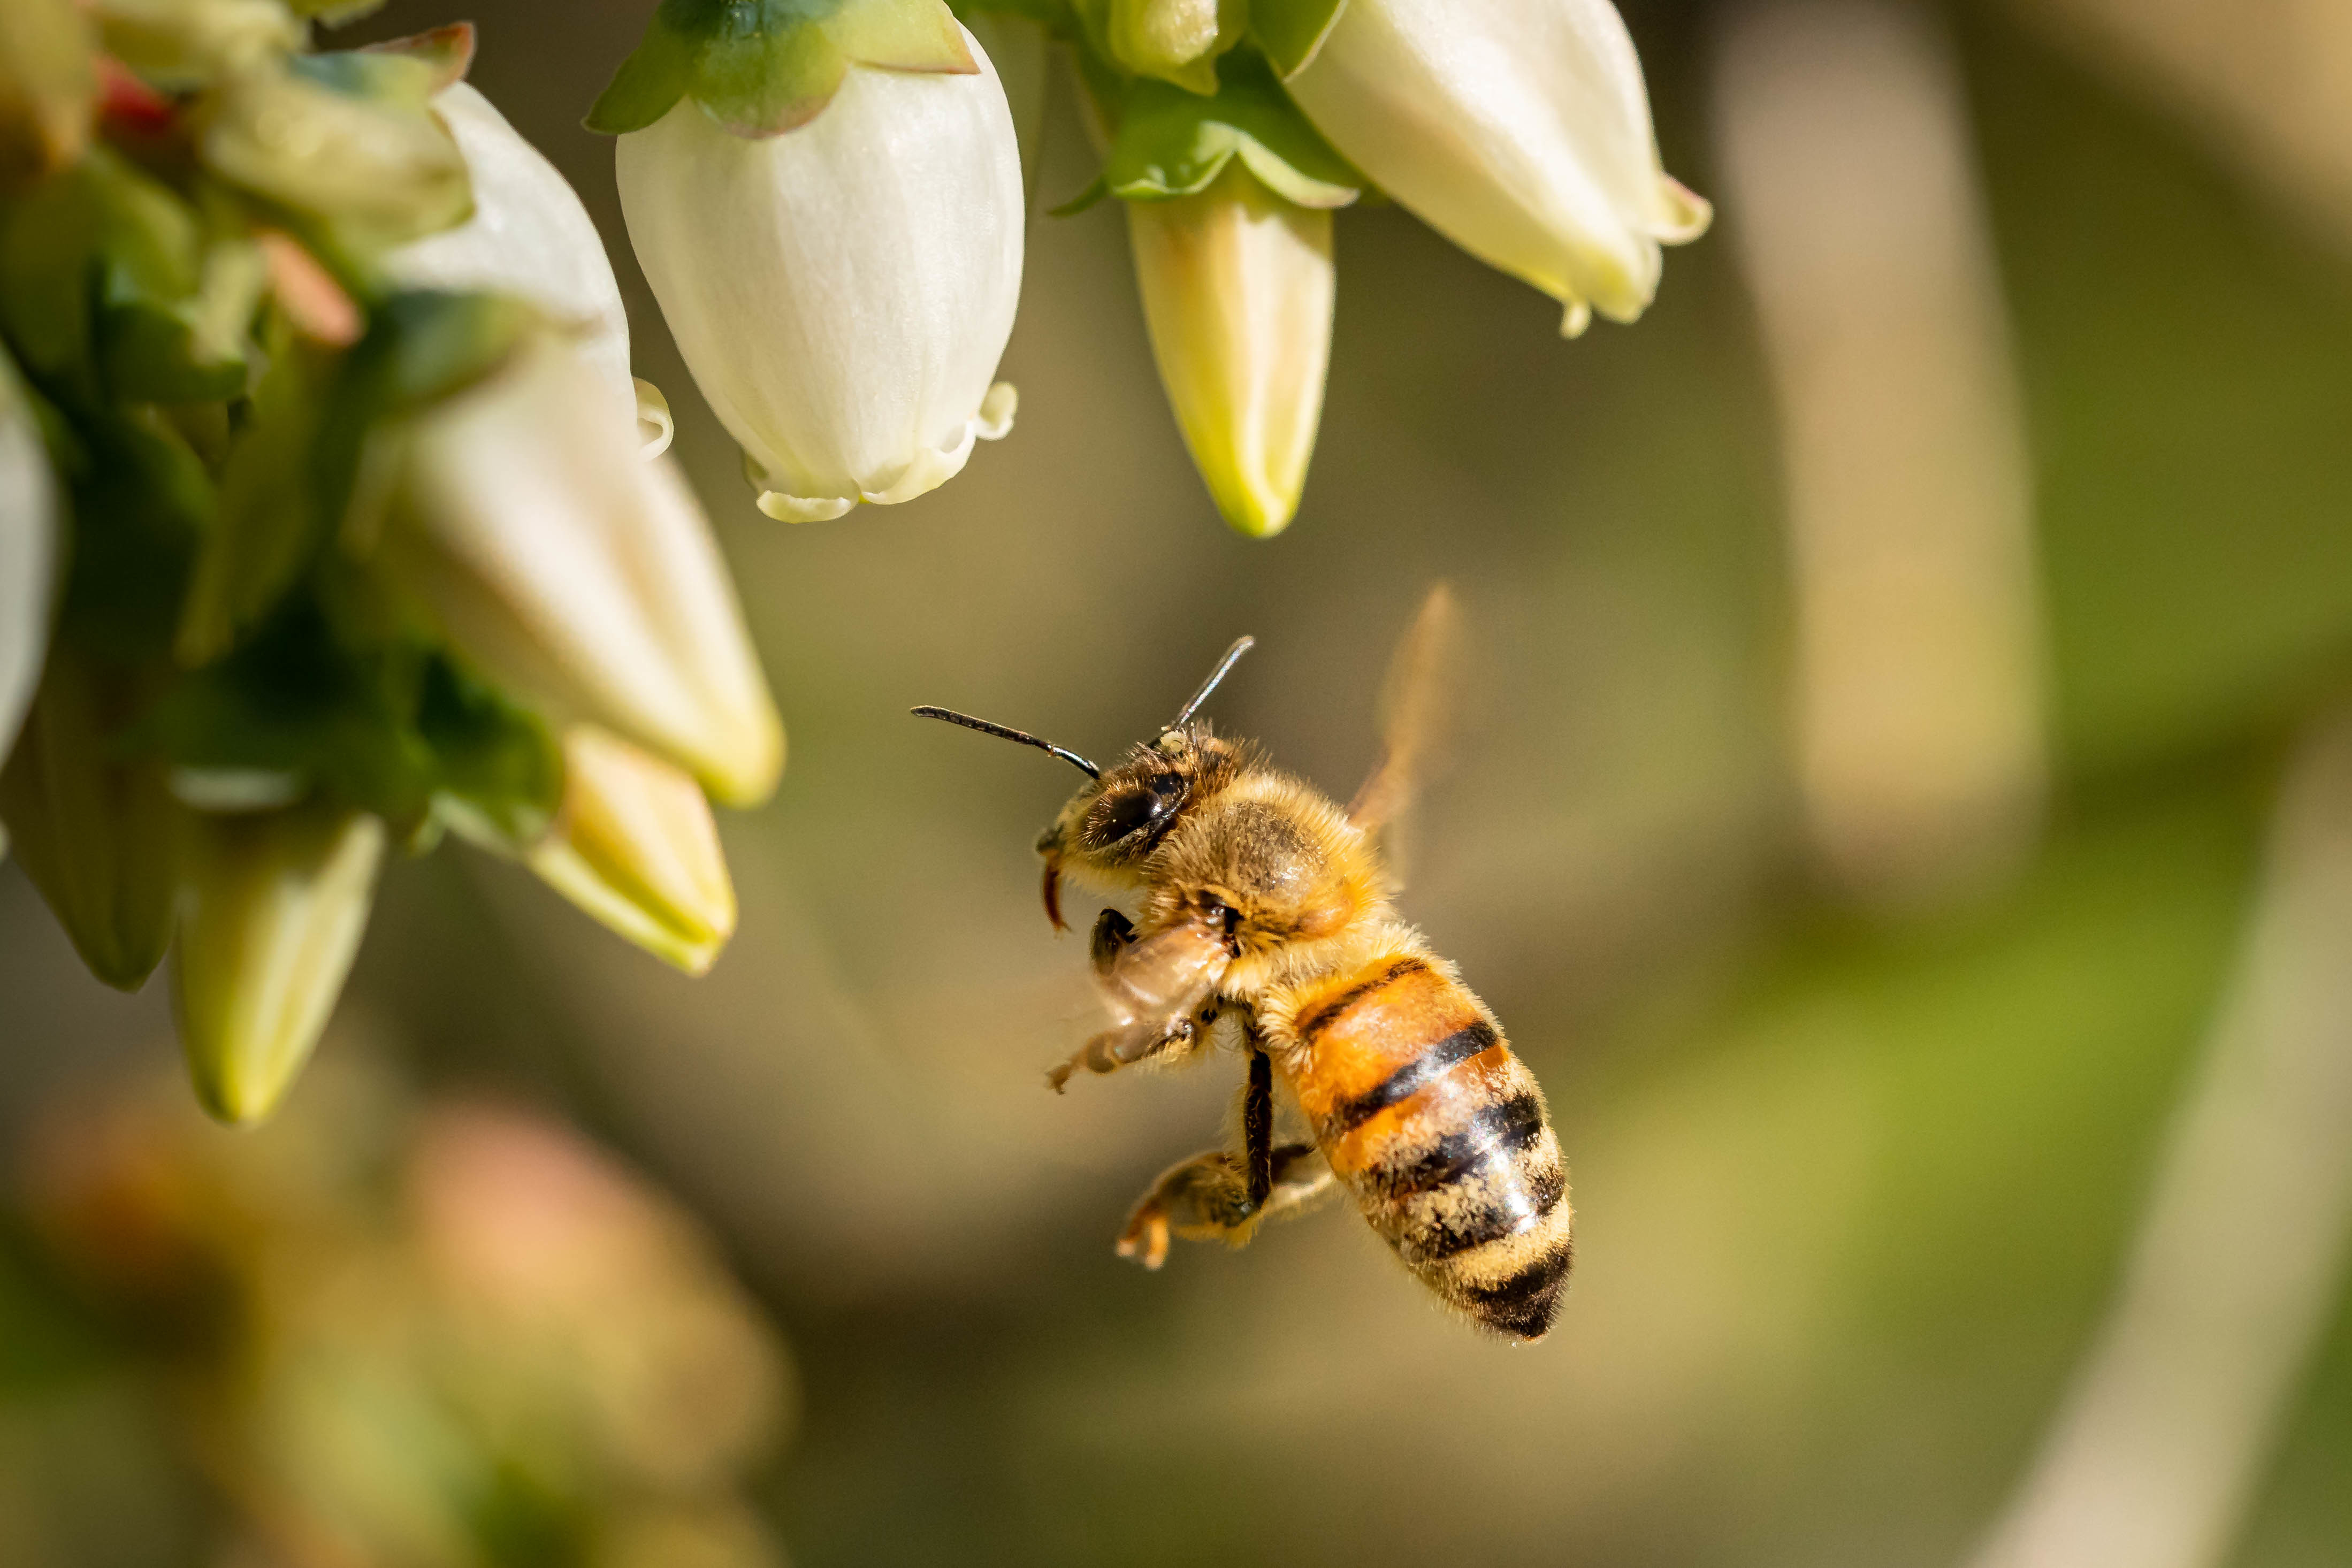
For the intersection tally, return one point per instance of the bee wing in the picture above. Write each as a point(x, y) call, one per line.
point(1157, 980)
point(1415, 700)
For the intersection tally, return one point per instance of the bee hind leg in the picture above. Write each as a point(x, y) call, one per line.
point(1206, 1198)
point(1216, 1196)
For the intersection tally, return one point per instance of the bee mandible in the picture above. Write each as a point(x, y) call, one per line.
point(1263, 902)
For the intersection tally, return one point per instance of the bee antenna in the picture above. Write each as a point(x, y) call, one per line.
point(1233, 656)
point(981, 725)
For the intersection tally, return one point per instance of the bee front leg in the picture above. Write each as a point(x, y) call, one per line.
point(1116, 1048)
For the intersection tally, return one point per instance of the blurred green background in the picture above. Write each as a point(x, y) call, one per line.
point(1854, 1184)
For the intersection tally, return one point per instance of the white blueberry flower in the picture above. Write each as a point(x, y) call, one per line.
point(1518, 129)
point(842, 290)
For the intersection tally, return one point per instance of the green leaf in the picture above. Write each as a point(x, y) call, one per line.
point(1292, 31)
point(1171, 144)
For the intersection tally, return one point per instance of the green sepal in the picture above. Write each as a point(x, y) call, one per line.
point(296, 472)
point(760, 67)
point(1171, 142)
point(1291, 32)
point(394, 726)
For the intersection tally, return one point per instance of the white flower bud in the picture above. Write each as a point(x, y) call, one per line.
point(1237, 292)
point(843, 291)
point(568, 569)
point(272, 912)
point(633, 845)
point(528, 237)
point(1518, 129)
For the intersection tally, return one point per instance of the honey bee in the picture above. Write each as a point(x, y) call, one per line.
point(1264, 903)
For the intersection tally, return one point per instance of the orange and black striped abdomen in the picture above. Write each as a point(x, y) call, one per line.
point(1422, 1109)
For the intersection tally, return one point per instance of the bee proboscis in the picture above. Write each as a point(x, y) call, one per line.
point(1263, 902)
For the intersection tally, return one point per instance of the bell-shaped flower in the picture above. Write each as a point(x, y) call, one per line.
point(273, 907)
point(568, 569)
point(633, 845)
point(530, 236)
point(1237, 289)
point(29, 550)
point(842, 289)
point(93, 828)
point(1518, 129)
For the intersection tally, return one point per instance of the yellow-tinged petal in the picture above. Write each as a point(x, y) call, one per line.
point(273, 907)
point(635, 846)
point(1237, 292)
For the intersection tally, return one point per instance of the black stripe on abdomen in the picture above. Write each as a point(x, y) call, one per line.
point(1413, 1076)
point(1525, 1303)
point(1514, 1206)
point(1501, 1130)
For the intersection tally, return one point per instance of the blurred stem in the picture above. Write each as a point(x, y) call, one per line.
point(2243, 1249)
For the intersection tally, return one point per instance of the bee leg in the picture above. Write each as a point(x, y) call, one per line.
point(1113, 934)
point(1215, 1196)
point(1257, 1128)
point(1206, 1198)
point(1116, 1048)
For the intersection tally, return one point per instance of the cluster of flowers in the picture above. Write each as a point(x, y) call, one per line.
point(330, 521)
point(827, 198)
point(386, 1332)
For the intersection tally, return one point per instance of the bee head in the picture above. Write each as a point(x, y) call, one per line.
point(1119, 817)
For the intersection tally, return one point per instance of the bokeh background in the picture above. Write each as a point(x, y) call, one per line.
point(1902, 811)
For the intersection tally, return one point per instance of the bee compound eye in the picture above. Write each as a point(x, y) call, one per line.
point(1121, 816)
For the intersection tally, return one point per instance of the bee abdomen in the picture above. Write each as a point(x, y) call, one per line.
point(1440, 1133)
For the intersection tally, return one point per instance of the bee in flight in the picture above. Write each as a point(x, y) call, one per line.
point(1264, 903)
